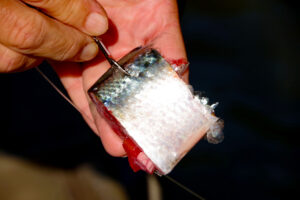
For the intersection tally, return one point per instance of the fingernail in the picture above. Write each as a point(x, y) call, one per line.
point(96, 24)
point(88, 52)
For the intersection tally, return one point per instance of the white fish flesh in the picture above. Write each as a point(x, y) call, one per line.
point(153, 111)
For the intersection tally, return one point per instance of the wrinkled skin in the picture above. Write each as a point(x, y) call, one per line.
point(132, 24)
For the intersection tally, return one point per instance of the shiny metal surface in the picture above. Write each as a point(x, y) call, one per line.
point(107, 55)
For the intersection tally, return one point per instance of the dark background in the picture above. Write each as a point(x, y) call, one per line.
point(243, 54)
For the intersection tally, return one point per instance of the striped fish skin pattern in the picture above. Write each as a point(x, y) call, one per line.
point(154, 108)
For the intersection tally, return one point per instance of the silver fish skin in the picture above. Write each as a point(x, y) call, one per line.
point(154, 107)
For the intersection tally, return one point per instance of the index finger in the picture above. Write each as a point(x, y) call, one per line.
point(29, 32)
point(86, 15)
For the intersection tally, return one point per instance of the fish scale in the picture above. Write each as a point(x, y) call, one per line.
point(154, 109)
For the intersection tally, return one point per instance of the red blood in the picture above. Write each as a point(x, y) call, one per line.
point(132, 151)
point(137, 158)
point(178, 62)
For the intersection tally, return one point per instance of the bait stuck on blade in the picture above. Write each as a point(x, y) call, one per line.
point(153, 111)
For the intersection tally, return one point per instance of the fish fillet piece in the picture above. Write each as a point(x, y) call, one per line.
point(153, 111)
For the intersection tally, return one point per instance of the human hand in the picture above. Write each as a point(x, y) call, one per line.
point(32, 30)
point(133, 24)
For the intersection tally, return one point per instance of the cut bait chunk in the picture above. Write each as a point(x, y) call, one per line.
point(153, 111)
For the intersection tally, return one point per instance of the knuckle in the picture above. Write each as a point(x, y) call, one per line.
point(27, 34)
point(36, 1)
point(64, 10)
point(39, 3)
point(69, 12)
